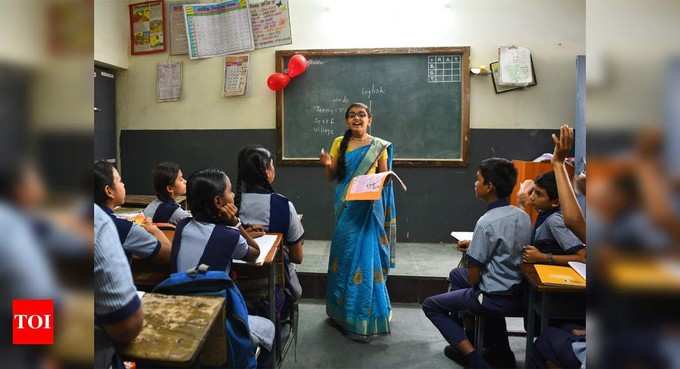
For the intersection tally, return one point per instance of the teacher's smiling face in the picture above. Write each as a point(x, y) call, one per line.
point(358, 120)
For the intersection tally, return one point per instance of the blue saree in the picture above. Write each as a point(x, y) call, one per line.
point(362, 250)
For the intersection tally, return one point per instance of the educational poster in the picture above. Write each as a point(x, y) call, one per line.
point(147, 27)
point(217, 29)
point(168, 82)
point(235, 74)
point(515, 66)
point(177, 30)
point(271, 23)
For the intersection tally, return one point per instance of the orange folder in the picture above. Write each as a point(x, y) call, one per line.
point(559, 275)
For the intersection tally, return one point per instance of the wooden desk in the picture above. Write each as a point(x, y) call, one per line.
point(176, 329)
point(549, 302)
point(272, 268)
point(141, 201)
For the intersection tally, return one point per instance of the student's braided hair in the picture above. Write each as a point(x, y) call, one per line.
point(253, 162)
point(340, 168)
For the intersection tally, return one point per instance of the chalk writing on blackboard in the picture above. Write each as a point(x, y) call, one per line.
point(443, 68)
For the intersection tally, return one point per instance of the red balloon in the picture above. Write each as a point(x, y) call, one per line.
point(297, 65)
point(277, 81)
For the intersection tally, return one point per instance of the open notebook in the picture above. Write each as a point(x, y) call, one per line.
point(370, 186)
point(265, 243)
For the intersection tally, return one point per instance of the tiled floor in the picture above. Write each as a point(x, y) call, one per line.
point(412, 259)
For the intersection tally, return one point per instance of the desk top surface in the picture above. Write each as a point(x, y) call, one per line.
point(144, 200)
point(531, 275)
point(175, 328)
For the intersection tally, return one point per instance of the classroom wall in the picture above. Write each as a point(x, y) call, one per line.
point(554, 30)
point(205, 129)
point(111, 33)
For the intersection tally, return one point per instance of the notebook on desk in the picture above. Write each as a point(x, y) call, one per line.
point(265, 243)
point(559, 275)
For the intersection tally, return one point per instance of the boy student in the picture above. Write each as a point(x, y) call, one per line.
point(551, 242)
point(490, 285)
point(168, 183)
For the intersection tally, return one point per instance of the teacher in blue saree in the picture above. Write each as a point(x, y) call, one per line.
point(362, 249)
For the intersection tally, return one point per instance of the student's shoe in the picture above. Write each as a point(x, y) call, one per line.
point(455, 355)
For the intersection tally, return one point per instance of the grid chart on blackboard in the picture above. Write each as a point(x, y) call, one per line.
point(443, 68)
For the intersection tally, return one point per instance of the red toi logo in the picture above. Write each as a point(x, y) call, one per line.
point(33, 322)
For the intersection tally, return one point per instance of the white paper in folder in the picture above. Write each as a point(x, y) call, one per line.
point(515, 66)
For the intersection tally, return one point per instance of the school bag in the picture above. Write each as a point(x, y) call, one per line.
point(201, 282)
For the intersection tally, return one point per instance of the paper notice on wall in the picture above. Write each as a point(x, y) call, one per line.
point(217, 29)
point(515, 66)
point(235, 74)
point(271, 23)
point(168, 82)
point(177, 28)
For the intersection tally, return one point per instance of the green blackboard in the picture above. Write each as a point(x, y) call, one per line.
point(419, 99)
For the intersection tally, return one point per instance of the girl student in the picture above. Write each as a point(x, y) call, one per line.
point(260, 207)
point(141, 241)
point(214, 236)
point(168, 183)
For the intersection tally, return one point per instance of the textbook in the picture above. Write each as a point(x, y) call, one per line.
point(559, 275)
point(369, 186)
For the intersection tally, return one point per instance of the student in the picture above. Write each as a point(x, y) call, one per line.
point(168, 183)
point(490, 285)
point(215, 236)
point(571, 210)
point(552, 241)
point(118, 311)
point(141, 241)
point(259, 206)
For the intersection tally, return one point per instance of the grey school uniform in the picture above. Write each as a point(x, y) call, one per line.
point(496, 247)
point(165, 212)
point(256, 209)
point(497, 243)
point(115, 296)
point(136, 240)
point(194, 241)
point(553, 236)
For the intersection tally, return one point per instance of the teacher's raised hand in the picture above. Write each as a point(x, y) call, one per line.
point(325, 159)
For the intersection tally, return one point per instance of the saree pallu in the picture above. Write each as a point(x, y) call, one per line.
point(362, 251)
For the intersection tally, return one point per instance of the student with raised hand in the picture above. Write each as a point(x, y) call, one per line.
point(141, 241)
point(571, 210)
point(551, 242)
point(491, 283)
point(260, 207)
point(362, 249)
point(168, 183)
